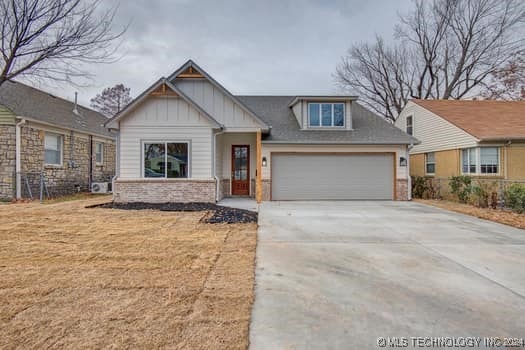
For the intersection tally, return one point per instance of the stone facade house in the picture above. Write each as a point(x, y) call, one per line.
point(43, 135)
point(187, 138)
point(482, 139)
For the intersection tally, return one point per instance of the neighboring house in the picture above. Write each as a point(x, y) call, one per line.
point(269, 147)
point(41, 133)
point(460, 137)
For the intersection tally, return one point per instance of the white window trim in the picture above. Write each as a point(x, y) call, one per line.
point(426, 163)
point(321, 116)
point(61, 136)
point(142, 171)
point(101, 153)
point(478, 161)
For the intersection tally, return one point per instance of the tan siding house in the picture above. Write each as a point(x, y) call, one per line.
point(476, 138)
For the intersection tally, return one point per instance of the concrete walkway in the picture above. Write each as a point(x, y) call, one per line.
point(338, 275)
point(240, 203)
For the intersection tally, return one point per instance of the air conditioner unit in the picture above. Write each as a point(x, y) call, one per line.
point(100, 187)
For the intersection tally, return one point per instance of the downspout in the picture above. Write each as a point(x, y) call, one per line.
point(18, 159)
point(90, 169)
point(214, 163)
point(409, 187)
point(117, 162)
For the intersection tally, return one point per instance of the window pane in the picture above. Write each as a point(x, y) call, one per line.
point(154, 160)
point(489, 159)
point(472, 160)
point(52, 157)
point(52, 149)
point(326, 114)
point(99, 149)
point(430, 157)
point(409, 127)
point(431, 168)
point(177, 164)
point(339, 114)
point(314, 114)
point(464, 157)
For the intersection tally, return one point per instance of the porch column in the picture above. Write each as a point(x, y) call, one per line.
point(258, 175)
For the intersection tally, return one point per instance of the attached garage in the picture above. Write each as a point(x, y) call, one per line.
point(332, 176)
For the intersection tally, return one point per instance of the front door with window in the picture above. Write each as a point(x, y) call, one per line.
point(240, 170)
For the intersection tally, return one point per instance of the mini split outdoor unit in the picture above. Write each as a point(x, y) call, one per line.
point(101, 187)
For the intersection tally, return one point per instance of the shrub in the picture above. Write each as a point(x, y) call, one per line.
point(461, 186)
point(480, 195)
point(419, 186)
point(515, 197)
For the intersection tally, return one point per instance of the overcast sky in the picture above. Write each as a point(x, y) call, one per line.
point(251, 47)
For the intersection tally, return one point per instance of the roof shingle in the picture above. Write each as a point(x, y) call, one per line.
point(39, 105)
point(368, 128)
point(485, 119)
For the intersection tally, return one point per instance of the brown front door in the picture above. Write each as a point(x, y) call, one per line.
point(240, 170)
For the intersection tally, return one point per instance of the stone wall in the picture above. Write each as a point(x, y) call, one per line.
point(164, 190)
point(73, 174)
point(7, 161)
point(401, 190)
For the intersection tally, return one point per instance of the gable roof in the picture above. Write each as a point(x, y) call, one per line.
point(486, 119)
point(151, 89)
point(369, 128)
point(246, 108)
point(31, 103)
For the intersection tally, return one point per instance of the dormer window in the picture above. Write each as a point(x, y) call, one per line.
point(321, 115)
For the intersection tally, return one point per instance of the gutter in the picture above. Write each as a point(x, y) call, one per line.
point(18, 158)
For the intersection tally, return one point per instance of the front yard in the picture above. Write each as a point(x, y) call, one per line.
point(90, 278)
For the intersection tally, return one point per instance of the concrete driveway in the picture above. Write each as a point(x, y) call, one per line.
point(338, 275)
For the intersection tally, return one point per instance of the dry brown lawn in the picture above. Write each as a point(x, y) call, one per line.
point(496, 215)
point(78, 278)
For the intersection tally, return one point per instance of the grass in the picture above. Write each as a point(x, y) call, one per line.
point(496, 215)
point(93, 278)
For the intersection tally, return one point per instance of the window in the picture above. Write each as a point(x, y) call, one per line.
point(410, 125)
point(489, 160)
point(482, 160)
point(430, 163)
point(166, 159)
point(99, 153)
point(53, 149)
point(326, 114)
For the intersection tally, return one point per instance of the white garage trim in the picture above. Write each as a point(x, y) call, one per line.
point(377, 167)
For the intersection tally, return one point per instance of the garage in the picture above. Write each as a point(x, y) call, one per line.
point(344, 176)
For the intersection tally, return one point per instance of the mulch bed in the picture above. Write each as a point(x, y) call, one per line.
point(217, 214)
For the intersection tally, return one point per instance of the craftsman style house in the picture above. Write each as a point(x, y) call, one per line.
point(187, 138)
point(459, 137)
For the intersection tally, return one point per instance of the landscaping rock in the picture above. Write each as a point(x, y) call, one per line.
point(218, 214)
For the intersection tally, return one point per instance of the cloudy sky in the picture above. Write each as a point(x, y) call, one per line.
point(251, 47)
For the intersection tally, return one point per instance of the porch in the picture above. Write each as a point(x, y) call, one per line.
point(238, 164)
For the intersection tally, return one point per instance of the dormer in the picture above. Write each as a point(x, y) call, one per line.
point(323, 112)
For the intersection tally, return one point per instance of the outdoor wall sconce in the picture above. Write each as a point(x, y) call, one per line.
point(402, 161)
point(264, 163)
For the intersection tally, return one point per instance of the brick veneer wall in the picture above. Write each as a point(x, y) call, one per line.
point(401, 190)
point(7, 161)
point(266, 189)
point(163, 191)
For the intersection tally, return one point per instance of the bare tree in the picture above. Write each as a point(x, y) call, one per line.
point(112, 100)
point(52, 39)
point(507, 83)
point(444, 49)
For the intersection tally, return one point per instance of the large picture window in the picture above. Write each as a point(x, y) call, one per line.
point(53, 145)
point(326, 114)
point(166, 159)
point(482, 160)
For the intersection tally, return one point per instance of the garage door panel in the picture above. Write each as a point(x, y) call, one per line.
point(332, 177)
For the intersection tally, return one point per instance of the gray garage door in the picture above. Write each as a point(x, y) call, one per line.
point(332, 177)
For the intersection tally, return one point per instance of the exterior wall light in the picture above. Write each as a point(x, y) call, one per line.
point(264, 162)
point(402, 161)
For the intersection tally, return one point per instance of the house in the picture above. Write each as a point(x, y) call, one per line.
point(268, 147)
point(43, 134)
point(483, 139)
